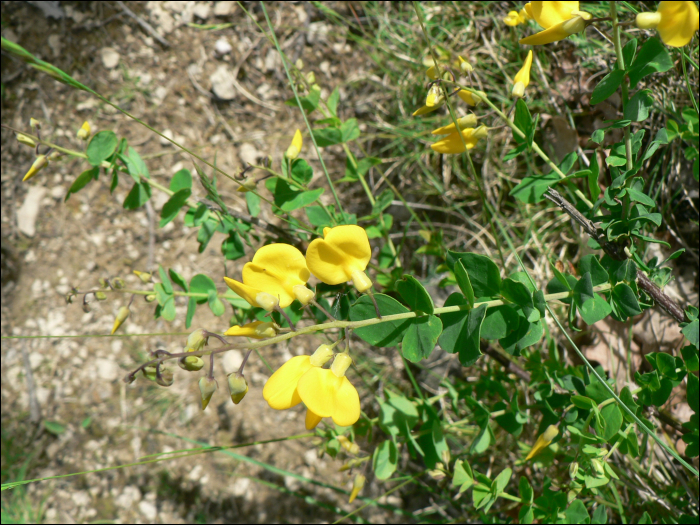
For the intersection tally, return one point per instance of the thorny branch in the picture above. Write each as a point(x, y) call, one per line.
point(617, 252)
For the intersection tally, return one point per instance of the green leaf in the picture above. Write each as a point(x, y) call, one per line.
point(463, 476)
point(482, 441)
point(172, 207)
point(318, 216)
point(288, 198)
point(309, 102)
point(501, 482)
point(102, 145)
point(138, 196)
point(461, 330)
point(607, 86)
point(165, 280)
point(386, 455)
point(692, 392)
point(383, 201)
point(525, 489)
point(592, 306)
point(526, 514)
point(612, 416)
point(397, 414)
point(527, 334)
point(593, 186)
point(181, 180)
point(652, 58)
point(690, 356)
point(136, 166)
point(414, 294)
point(333, 100)
point(628, 52)
point(353, 172)
point(206, 232)
point(82, 180)
point(577, 513)
point(432, 440)
point(179, 280)
point(637, 108)
point(516, 292)
point(499, 322)
point(381, 334)
point(253, 202)
point(626, 300)
point(232, 248)
point(484, 275)
point(638, 196)
point(463, 282)
point(597, 136)
point(191, 308)
point(523, 120)
point(583, 402)
point(54, 427)
point(215, 304)
point(599, 514)
point(590, 264)
point(329, 136)
point(531, 190)
point(302, 172)
point(202, 284)
point(349, 130)
point(421, 338)
point(692, 332)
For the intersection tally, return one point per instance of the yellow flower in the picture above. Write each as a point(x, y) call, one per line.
point(676, 22)
point(465, 66)
point(515, 18)
point(357, 485)
point(84, 131)
point(39, 164)
point(543, 441)
point(295, 147)
point(238, 387)
point(255, 330)
point(276, 276)
point(342, 255)
point(522, 78)
point(280, 391)
point(248, 185)
point(468, 121)
point(428, 109)
point(470, 98)
point(559, 20)
point(435, 96)
point(453, 144)
point(122, 314)
point(328, 393)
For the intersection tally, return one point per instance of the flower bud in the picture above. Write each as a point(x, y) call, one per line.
point(144, 276)
point(341, 363)
point(149, 372)
point(465, 66)
point(572, 494)
point(573, 470)
point(122, 314)
point(648, 20)
point(26, 140)
point(100, 296)
point(357, 485)
point(166, 378)
point(360, 281)
point(322, 355)
point(196, 341)
point(518, 90)
point(118, 283)
point(267, 301)
point(207, 387)
point(435, 96)
point(102, 282)
point(86, 308)
point(249, 184)
point(191, 363)
point(352, 448)
point(311, 77)
point(150, 298)
point(295, 147)
point(34, 123)
point(39, 164)
point(303, 294)
point(84, 131)
point(299, 64)
point(238, 386)
point(598, 466)
point(446, 456)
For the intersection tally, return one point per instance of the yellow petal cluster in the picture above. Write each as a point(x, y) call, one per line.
point(522, 78)
point(276, 276)
point(453, 143)
point(295, 147)
point(543, 441)
point(515, 18)
point(676, 22)
point(559, 20)
point(325, 392)
point(341, 256)
point(254, 330)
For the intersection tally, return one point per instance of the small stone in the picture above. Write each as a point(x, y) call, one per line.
point(202, 11)
point(54, 42)
point(107, 369)
point(29, 211)
point(81, 498)
point(224, 8)
point(169, 134)
point(240, 487)
point(110, 57)
point(222, 81)
point(127, 498)
point(222, 47)
point(248, 154)
point(231, 361)
point(148, 509)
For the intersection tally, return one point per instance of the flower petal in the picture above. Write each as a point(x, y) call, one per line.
point(317, 389)
point(312, 420)
point(552, 34)
point(347, 404)
point(277, 269)
point(246, 292)
point(280, 391)
point(549, 14)
point(453, 144)
point(344, 250)
point(679, 22)
point(524, 74)
point(468, 97)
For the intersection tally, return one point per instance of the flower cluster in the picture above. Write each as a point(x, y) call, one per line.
point(277, 276)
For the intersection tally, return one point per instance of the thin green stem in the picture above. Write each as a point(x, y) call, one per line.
point(687, 82)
